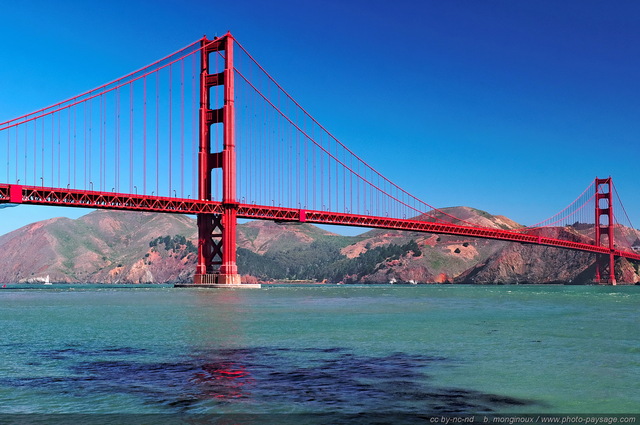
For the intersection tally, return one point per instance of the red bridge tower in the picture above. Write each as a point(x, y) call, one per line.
point(604, 227)
point(217, 232)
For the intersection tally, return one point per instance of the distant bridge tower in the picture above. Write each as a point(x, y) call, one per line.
point(604, 226)
point(217, 232)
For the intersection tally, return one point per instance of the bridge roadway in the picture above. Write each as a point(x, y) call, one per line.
point(37, 195)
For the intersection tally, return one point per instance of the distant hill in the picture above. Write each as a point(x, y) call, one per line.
point(102, 246)
point(125, 247)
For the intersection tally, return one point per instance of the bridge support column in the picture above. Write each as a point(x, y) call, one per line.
point(604, 229)
point(217, 232)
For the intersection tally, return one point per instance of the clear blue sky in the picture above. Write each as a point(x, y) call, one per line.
point(512, 107)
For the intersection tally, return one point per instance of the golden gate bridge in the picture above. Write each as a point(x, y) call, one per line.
point(208, 131)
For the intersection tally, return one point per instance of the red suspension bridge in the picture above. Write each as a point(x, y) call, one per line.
point(207, 131)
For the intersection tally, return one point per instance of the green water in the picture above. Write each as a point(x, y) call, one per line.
point(285, 349)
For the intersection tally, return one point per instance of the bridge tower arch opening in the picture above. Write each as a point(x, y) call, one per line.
point(216, 262)
point(604, 231)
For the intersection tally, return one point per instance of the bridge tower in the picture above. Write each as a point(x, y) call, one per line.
point(217, 232)
point(604, 227)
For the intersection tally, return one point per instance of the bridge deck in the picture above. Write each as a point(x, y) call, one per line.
point(36, 195)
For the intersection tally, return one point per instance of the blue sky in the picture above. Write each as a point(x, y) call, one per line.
point(512, 107)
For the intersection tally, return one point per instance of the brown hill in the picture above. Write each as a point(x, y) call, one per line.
point(443, 258)
point(103, 246)
point(115, 247)
point(523, 263)
point(125, 247)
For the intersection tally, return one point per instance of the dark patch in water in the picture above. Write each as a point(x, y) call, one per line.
point(311, 380)
point(72, 351)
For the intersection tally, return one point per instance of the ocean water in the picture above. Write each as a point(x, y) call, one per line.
point(351, 350)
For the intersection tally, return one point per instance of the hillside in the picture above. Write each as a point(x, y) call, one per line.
point(103, 246)
point(125, 247)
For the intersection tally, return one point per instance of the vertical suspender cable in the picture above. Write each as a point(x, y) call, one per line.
point(131, 135)
point(157, 130)
point(75, 152)
point(182, 128)
point(59, 148)
point(313, 176)
point(42, 151)
point(306, 166)
point(17, 131)
point(90, 142)
point(170, 127)
point(104, 154)
point(194, 156)
point(117, 152)
point(35, 152)
point(102, 126)
point(144, 135)
point(26, 146)
point(250, 144)
point(8, 152)
point(279, 159)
